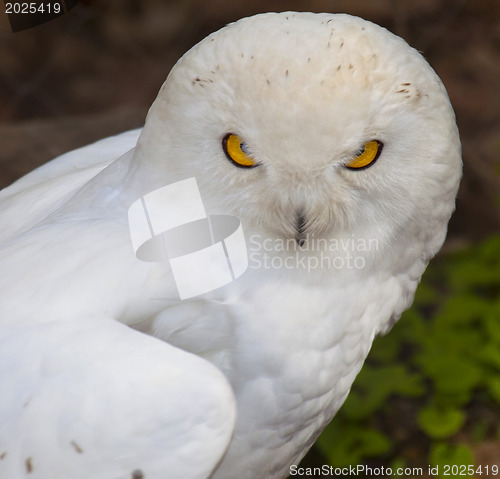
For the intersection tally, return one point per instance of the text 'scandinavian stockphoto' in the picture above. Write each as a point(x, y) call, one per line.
point(194, 300)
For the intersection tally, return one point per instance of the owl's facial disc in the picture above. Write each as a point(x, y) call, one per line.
point(296, 214)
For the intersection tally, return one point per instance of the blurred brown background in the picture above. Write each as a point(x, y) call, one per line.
point(94, 71)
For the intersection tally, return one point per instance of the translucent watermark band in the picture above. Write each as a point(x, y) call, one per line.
point(204, 252)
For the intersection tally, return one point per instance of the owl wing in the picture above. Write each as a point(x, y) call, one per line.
point(91, 398)
point(36, 195)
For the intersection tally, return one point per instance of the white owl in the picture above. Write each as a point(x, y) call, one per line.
point(335, 145)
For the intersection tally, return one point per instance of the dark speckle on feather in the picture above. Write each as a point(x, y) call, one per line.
point(201, 81)
point(29, 465)
point(138, 474)
point(2, 456)
point(76, 447)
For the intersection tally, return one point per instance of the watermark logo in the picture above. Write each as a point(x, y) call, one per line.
point(348, 253)
point(204, 252)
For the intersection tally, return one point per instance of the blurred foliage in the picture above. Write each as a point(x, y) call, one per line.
point(442, 359)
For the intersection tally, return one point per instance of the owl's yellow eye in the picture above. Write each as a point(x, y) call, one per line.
point(234, 148)
point(368, 155)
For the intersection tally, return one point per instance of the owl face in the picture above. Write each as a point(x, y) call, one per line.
point(311, 125)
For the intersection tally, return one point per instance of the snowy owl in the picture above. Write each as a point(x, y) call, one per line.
point(334, 144)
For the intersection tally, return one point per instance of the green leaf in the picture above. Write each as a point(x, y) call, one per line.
point(492, 324)
point(494, 387)
point(358, 408)
point(476, 269)
point(374, 385)
point(443, 454)
point(414, 328)
point(490, 354)
point(462, 310)
point(394, 379)
point(426, 295)
point(451, 375)
point(440, 423)
point(455, 340)
point(345, 444)
point(386, 349)
point(338, 443)
point(374, 443)
point(490, 250)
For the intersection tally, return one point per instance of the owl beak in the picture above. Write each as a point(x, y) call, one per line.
point(300, 224)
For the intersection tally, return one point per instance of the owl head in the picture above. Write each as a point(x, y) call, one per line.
point(311, 125)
